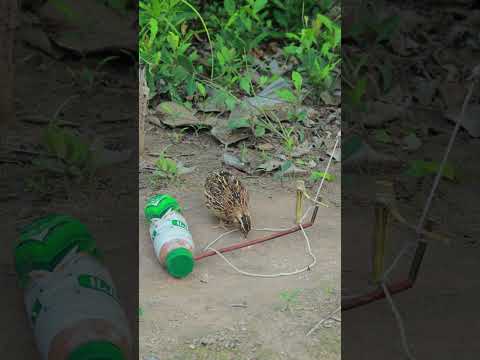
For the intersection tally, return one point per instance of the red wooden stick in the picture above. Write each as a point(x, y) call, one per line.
point(252, 242)
point(376, 295)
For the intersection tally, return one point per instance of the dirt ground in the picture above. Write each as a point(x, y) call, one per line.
point(105, 205)
point(439, 312)
point(216, 313)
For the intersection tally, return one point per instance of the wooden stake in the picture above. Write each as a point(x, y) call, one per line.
point(382, 215)
point(299, 202)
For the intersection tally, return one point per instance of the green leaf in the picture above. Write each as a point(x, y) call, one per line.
point(259, 131)
point(386, 71)
point(229, 6)
point(201, 89)
point(318, 175)
point(166, 165)
point(297, 80)
point(351, 146)
point(153, 31)
point(259, 5)
point(421, 168)
point(283, 169)
point(173, 40)
point(292, 50)
point(263, 81)
point(357, 93)
point(387, 28)
point(191, 86)
point(238, 123)
point(383, 136)
point(186, 63)
point(245, 84)
point(230, 102)
point(286, 94)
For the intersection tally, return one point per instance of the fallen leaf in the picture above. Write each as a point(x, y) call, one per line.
point(78, 27)
point(471, 122)
point(265, 147)
point(235, 162)
point(177, 115)
point(381, 113)
point(228, 136)
point(270, 165)
point(302, 149)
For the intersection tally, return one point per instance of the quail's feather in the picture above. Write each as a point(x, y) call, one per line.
point(228, 199)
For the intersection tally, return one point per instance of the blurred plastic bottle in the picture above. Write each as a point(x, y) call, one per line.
point(169, 232)
point(69, 295)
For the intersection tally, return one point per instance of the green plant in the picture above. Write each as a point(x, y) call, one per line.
point(165, 168)
point(244, 153)
point(289, 298)
point(318, 175)
point(283, 170)
point(316, 46)
point(177, 136)
point(422, 168)
point(88, 78)
point(165, 47)
point(66, 153)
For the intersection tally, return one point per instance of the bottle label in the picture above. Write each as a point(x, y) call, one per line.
point(171, 228)
point(79, 290)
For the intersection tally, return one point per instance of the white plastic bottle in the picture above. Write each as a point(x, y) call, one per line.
point(70, 297)
point(172, 240)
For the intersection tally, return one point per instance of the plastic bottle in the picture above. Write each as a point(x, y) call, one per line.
point(69, 295)
point(169, 233)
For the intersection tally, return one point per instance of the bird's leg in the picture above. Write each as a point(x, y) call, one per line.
point(221, 224)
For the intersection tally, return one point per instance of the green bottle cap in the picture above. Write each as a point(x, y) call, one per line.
point(159, 204)
point(97, 350)
point(45, 242)
point(179, 262)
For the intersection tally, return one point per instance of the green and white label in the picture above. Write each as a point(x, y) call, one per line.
point(170, 228)
point(179, 224)
point(96, 283)
point(82, 289)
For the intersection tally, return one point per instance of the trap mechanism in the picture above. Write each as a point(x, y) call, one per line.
point(301, 193)
point(385, 211)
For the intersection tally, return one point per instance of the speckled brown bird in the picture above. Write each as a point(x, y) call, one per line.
point(228, 199)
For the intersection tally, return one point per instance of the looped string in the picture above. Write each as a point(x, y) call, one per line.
point(307, 240)
point(420, 226)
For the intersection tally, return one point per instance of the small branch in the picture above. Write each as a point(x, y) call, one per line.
point(323, 320)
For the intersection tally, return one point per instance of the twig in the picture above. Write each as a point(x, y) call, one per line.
point(239, 305)
point(323, 320)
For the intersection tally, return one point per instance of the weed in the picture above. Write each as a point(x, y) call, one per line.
point(66, 153)
point(244, 153)
point(166, 168)
point(318, 175)
point(172, 29)
point(289, 298)
point(88, 78)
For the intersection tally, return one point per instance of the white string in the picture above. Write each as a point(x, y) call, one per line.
point(428, 204)
point(419, 228)
point(399, 319)
point(307, 240)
